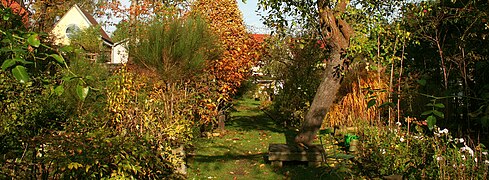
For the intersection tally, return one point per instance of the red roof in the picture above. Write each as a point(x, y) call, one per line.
point(260, 38)
point(18, 9)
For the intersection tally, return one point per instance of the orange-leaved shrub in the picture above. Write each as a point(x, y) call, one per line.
point(240, 51)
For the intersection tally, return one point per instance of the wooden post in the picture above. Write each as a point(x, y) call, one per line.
point(221, 118)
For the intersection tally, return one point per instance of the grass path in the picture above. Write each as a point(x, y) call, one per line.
point(240, 152)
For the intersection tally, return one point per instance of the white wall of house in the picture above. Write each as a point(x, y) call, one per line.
point(73, 17)
point(119, 53)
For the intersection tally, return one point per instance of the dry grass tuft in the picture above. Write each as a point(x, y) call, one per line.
point(352, 109)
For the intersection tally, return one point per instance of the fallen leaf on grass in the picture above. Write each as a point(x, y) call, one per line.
point(262, 165)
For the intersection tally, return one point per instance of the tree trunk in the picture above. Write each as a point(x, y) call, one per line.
point(132, 12)
point(336, 33)
point(324, 98)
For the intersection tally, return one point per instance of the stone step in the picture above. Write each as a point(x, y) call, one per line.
point(277, 153)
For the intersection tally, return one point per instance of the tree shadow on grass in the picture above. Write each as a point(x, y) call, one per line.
point(294, 170)
point(249, 118)
point(256, 120)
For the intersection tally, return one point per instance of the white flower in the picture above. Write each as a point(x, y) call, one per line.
point(439, 158)
point(468, 149)
point(486, 162)
point(463, 157)
point(484, 153)
point(382, 151)
point(461, 140)
point(398, 123)
point(402, 139)
point(444, 131)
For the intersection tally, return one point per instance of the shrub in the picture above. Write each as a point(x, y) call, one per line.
point(85, 111)
point(297, 67)
point(388, 151)
point(140, 133)
point(24, 111)
point(175, 48)
point(87, 39)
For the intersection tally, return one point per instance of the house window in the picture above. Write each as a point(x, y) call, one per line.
point(71, 30)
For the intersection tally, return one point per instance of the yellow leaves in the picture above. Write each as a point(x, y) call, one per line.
point(74, 165)
point(164, 110)
point(211, 106)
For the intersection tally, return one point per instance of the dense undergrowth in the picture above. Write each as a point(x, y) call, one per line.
point(63, 120)
point(419, 154)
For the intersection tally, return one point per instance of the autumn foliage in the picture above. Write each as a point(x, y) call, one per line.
point(353, 108)
point(240, 50)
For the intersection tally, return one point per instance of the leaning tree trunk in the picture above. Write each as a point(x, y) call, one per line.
point(336, 33)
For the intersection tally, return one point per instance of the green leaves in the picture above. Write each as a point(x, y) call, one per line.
point(431, 122)
point(58, 58)
point(82, 92)
point(59, 90)
point(432, 114)
point(20, 74)
point(11, 62)
point(437, 105)
point(371, 103)
point(33, 40)
point(422, 82)
point(8, 63)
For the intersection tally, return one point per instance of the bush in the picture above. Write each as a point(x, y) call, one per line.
point(175, 48)
point(24, 111)
point(297, 67)
point(140, 132)
point(122, 126)
point(387, 151)
point(85, 112)
point(88, 39)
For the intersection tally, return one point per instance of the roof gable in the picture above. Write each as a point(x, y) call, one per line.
point(89, 20)
point(95, 23)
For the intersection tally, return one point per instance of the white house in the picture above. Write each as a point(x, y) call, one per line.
point(77, 19)
point(119, 54)
point(74, 20)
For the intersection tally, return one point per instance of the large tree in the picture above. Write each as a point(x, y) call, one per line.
point(325, 17)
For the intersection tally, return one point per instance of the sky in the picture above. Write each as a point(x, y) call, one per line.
point(248, 9)
point(251, 16)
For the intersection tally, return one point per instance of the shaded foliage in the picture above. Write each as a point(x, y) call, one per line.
point(296, 65)
point(175, 48)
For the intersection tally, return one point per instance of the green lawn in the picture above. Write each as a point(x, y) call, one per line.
point(241, 152)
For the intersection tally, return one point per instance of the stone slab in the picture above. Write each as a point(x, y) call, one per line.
point(286, 152)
